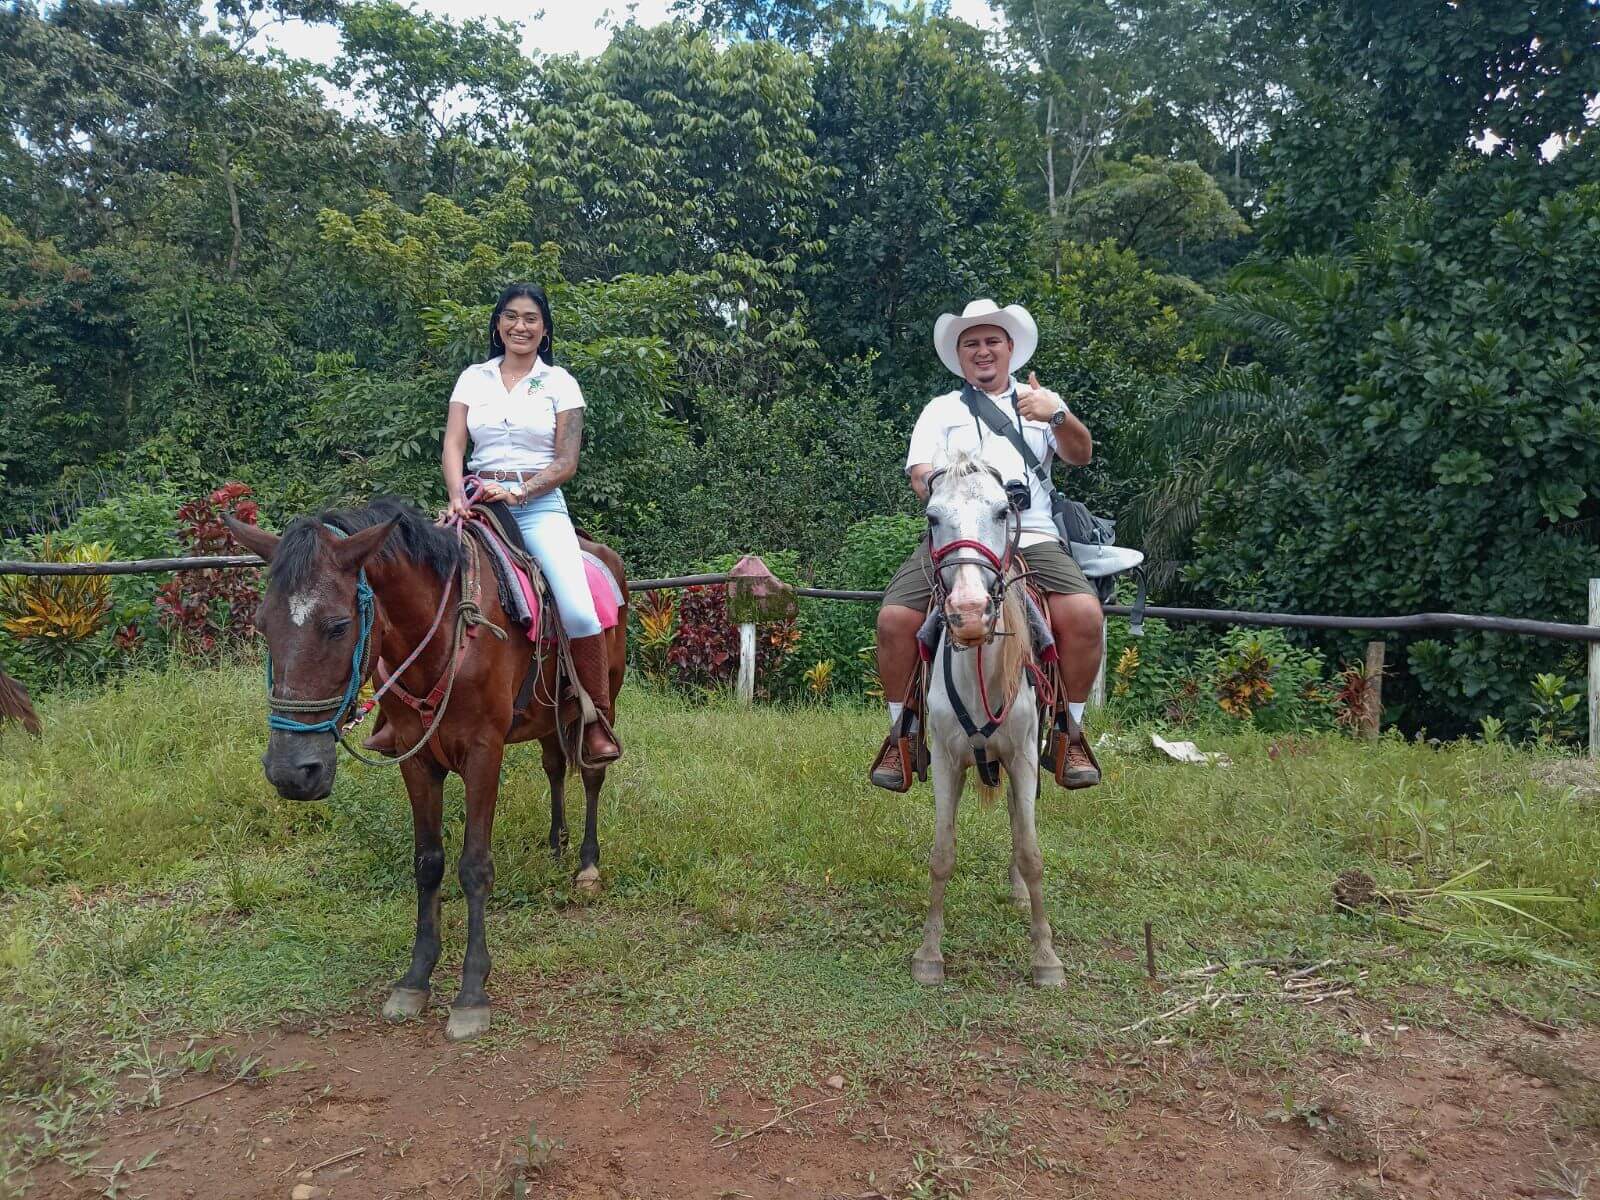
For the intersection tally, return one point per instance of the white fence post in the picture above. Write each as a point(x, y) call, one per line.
point(746, 690)
point(1097, 694)
point(1594, 672)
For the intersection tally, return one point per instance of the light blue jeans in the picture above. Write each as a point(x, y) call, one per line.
point(548, 534)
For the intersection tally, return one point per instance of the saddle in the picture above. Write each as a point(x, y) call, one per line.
point(522, 588)
point(525, 596)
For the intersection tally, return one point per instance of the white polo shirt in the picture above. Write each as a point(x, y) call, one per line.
point(514, 430)
point(947, 427)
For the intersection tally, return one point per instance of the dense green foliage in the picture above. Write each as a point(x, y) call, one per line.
point(748, 219)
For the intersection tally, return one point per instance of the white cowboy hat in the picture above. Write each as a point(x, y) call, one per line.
point(1013, 318)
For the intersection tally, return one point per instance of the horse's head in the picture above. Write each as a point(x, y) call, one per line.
point(971, 537)
point(311, 619)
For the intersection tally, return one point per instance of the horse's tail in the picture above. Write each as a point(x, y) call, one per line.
point(988, 795)
point(15, 705)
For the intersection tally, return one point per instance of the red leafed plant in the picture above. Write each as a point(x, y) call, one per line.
point(705, 644)
point(211, 610)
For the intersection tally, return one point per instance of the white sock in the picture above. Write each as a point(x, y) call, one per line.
point(895, 709)
point(1076, 707)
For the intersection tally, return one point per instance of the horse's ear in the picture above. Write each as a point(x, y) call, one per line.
point(253, 538)
point(358, 547)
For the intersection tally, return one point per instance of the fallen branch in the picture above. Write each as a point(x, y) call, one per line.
point(338, 1158)
point(715, 1145)
point(245, 1070)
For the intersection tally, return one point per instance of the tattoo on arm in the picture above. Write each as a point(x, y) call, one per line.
point(569, 437)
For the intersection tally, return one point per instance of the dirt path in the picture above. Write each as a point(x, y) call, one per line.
point(376, 1111)
point(362, 1109)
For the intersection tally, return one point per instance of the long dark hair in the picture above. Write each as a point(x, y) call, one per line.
point(529, 291)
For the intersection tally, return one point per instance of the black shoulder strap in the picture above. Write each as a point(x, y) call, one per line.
point(989, 413)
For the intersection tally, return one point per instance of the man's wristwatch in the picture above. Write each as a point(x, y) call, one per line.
point(1059, 416)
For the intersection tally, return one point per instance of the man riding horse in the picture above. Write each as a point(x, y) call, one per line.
point(997, 419)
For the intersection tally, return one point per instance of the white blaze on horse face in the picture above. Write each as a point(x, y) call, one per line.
point(300, 606)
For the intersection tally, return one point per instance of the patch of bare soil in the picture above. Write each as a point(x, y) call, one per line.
point(383, 1111)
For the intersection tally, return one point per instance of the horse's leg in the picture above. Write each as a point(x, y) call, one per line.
point(927, 964)
point(1019, 885)
point(1026, 860)
point(425, 786)
point(469, 1011)
point(594, 779)
point(555, 770)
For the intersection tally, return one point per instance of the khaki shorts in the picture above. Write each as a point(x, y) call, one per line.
point(1054, 571)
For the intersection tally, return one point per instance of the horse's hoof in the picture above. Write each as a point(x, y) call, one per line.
point(466, 1023)
point(405, 1003)
point(588, 881)
point(929, 972)
point(1049, 975)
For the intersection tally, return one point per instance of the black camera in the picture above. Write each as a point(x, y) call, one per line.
point(1017, 495)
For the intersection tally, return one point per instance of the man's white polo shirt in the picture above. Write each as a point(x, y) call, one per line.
point(947, 426)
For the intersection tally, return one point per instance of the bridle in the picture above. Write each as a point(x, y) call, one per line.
point(996, 566)
point(969, 552)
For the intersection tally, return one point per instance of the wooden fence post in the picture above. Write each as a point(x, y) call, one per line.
point(746, 689)
point(1372, 718)
point(1594, 672)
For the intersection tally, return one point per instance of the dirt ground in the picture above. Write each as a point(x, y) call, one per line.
point(371, 1110)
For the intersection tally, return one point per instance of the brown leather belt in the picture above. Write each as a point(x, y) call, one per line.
point(506, 476)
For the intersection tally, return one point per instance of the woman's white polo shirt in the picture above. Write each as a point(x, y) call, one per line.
point(514, 430)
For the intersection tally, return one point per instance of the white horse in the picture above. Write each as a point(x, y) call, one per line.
point(980, 714)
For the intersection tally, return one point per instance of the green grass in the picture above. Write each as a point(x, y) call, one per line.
point(761, 899)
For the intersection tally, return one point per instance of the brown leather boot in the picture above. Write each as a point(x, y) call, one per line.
point(889, 769)
point(589, 659)
point(1075, 762)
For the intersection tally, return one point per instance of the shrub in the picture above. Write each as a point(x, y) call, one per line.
point(838, 631)
point(53, 619)
point(705, 644)
point(212, 610)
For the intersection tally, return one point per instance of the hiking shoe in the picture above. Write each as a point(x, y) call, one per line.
point(1075, 764)
point(889, 769)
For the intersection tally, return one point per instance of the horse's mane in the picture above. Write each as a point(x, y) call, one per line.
point(1016, 649)
point(414, 538)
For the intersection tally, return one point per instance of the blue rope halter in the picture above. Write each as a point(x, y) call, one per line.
point(279, 705)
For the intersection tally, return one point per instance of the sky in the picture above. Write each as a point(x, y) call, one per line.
point(560, 28)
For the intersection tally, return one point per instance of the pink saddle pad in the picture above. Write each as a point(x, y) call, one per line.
point(601, 586)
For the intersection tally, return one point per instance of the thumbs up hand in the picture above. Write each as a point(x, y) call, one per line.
point(1038, 403)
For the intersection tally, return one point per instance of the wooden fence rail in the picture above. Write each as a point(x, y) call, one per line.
point(1410, 623)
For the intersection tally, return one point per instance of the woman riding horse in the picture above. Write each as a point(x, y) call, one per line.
point(524, 416)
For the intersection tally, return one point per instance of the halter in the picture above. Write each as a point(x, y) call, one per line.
point(468, 618)
point(342, 703)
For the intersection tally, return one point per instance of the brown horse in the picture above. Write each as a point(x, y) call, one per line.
point(311, 618)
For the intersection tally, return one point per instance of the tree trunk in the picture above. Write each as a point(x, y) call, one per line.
point(233, 215)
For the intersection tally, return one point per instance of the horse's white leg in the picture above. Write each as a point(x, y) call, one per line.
point(1019, 885)
point(927, 964)
point(1028, 863)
